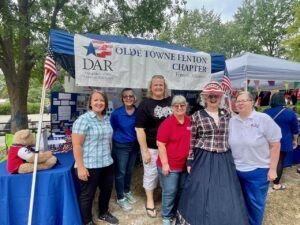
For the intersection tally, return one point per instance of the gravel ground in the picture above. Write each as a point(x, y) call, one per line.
point(283, 207)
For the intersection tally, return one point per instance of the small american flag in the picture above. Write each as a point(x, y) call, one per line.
point(50, 71)
point(226, 85)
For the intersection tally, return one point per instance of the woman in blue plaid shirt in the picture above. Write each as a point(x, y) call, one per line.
point(91, 138)
point(212, 194)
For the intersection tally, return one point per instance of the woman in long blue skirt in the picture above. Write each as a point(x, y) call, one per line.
point(212, 194)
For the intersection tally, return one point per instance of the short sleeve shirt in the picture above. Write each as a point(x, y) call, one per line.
point(123, 125)
point(150, 114)
point(177, 137)
point(96, 151)
point(249, 140)
point(288, 123)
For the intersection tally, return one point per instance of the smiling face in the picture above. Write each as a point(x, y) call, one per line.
point(97, 104)
point(244, 104)
point(212, 100)
point(179, 109)
point(158, 88)
point(128, 98)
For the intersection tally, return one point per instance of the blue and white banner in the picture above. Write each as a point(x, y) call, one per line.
point(110, 64)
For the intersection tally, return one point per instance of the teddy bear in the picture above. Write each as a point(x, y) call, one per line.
point(21, 157)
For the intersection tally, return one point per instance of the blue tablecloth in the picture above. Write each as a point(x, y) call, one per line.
point(55, 201)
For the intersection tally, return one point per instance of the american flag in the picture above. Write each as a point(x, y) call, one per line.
point(226, 85)
point(50, 71)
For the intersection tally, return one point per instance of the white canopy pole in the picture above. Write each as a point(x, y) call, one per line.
point(36, 155)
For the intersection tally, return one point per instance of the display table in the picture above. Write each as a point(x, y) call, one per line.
point(55, 201)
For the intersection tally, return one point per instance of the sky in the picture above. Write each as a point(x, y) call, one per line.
point(226, 8)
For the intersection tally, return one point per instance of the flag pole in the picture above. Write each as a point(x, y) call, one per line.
point(37, 146)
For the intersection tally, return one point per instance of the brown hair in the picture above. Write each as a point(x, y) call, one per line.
point(102, 93)
point(127, 89)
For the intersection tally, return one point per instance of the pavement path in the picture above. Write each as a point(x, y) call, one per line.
point(31, 117)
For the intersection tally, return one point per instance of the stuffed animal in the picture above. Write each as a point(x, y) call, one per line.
point(21, 157)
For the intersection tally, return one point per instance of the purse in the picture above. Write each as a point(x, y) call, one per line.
point(278, 113)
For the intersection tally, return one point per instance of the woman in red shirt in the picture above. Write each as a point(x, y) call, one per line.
point(173, 141)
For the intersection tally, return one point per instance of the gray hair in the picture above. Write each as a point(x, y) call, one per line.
point(203, 103)
point(166, 91)
point(248, 94)
point(177, 99)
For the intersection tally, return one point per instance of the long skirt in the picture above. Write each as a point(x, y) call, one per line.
point(212, 194)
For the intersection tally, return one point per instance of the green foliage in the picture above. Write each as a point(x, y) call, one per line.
point(263, 23)
point(25, 27)
point(199, 29)
point(32, 108)
point(293, 40)
point(5, 109)
point(259, 26)
point(3, 89)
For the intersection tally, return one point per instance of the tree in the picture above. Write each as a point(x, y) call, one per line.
point(198, 29)
point(203, 30)
point(25, 25)
point(293, 41)
point(264, 23)
point(3, 89)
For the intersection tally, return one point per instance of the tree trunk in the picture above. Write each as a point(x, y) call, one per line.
point(18, 91)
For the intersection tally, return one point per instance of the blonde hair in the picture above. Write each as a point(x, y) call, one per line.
point(166, 90)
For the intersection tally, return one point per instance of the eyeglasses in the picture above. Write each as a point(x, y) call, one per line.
point(128, 96)
point(179, 106)
point(213, 96)
point(243, 101)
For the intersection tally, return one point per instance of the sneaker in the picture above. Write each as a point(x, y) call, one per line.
point(124, 204)
point(166, 221)
point(107, 217)
point(130, 198)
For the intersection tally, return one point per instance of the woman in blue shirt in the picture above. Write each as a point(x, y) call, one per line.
point(125, 147)
point(286, 119)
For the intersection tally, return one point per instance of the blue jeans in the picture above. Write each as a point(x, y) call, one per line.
point(255, 186)
point(171, 186)
point(124, 155)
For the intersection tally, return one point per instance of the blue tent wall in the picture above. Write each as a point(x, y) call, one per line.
point(62, 45)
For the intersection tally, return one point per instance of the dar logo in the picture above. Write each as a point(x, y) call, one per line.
point(98, 48)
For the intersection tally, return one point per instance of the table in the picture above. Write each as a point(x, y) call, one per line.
point(55, 201)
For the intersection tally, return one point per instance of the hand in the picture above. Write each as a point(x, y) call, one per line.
point(166, 169)
point(146, 156)
point(272, 174)
point(188, 168)
point(295, 144)
point(83, 173)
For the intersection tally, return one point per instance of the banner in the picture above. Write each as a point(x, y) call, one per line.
point(110, 64)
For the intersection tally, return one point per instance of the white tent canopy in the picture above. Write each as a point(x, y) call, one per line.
point(250, 66)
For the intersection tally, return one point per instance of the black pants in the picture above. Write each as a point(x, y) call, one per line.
point(102, 178)
point(280, 167)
